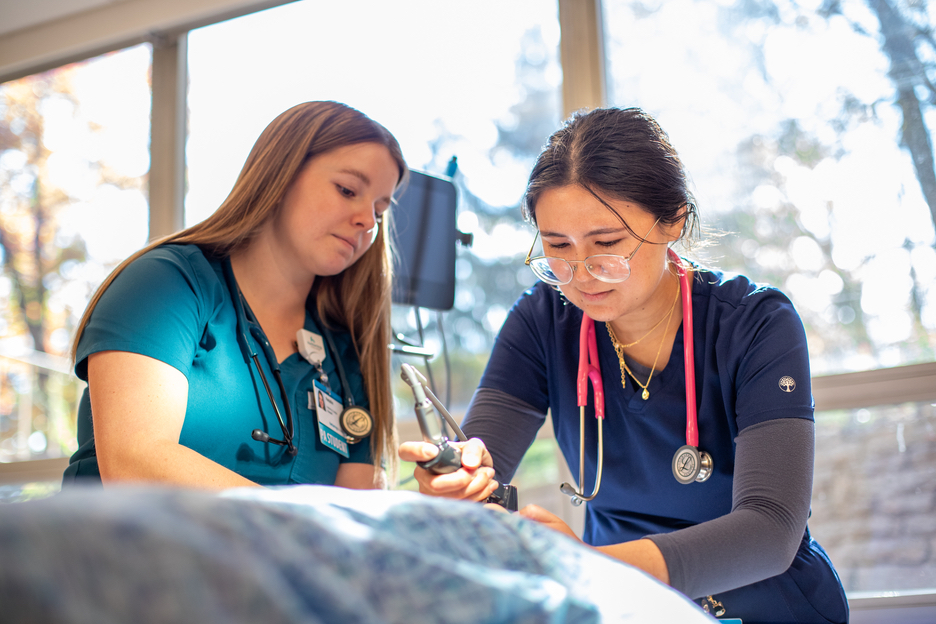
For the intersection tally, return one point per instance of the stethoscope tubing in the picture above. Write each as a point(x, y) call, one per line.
point(589, 370)
point(245, 326)
point(692, 424)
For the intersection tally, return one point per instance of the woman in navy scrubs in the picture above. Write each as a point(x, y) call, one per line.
point(295, 257)
point(609, 197)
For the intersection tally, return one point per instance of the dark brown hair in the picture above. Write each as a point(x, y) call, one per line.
point(622, 154)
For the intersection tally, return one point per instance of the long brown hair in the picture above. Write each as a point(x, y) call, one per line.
point(358, 299)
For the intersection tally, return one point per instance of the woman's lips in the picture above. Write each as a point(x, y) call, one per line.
point(594, 297)
point(348, 242)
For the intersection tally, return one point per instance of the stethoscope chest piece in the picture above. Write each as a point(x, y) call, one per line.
point(357, 423)
point(689, 464)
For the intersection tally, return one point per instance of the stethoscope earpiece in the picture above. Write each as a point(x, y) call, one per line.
point(570, 490)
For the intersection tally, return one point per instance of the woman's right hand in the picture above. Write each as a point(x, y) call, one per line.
point(473, 481)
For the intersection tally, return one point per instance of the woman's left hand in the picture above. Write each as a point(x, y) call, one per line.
point(535, 512)
point(642, 553)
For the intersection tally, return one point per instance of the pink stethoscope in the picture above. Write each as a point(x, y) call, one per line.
point(689, 464)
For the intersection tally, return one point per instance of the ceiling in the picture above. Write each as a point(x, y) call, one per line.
point(19, 14)
point(38, 35)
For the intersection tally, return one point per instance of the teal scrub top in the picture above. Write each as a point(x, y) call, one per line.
point(172, 304)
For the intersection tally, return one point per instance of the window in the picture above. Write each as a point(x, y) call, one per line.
point(873, 493)
point(442, 90)
point(789, 120)
point(74, 152)
point(785, 118)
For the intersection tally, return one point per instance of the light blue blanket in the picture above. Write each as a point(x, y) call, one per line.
point(305, 554)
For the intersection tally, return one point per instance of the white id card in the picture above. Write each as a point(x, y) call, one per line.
point(327, 411)
point(311, 346)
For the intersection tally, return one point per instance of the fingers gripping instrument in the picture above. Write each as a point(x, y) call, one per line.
point(448, 458)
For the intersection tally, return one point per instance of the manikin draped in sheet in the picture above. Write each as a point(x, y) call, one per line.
point(306, 554)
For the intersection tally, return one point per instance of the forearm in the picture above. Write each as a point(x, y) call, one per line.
point(361, 476)
point(642, 554)
point(507, 426)
point(169, 463)
point(760, 536)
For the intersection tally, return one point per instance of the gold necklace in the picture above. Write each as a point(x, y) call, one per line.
point(631, 344)
point(619, 350)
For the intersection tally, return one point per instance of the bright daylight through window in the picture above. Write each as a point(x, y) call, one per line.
point(784, 114)
point(73, 165)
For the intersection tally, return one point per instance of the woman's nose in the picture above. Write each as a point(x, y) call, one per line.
point(366, 217)
point(579, 272)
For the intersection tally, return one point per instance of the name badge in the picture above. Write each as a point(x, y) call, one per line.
point(311, 346)
point(328, 411)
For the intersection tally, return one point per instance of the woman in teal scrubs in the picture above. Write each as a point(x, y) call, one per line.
point(298, 256)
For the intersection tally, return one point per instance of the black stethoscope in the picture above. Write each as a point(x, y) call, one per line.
point(356, 421)
point(689, 464)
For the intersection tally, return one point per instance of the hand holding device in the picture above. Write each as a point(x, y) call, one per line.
point(449, 458)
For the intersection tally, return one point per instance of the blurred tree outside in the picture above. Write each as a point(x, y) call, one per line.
point(774, 106)
point(28, 242)
point(490, 275)
point(55, 167)
point(32, 261)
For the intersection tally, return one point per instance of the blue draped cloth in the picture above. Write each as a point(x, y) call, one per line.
point(305, 554)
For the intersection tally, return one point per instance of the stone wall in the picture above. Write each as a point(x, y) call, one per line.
point(874, 496)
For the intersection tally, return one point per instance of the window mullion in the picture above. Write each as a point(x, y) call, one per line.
point(582, 55)
point(167, 135)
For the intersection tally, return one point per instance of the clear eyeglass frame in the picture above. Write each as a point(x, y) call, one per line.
point(608, 268)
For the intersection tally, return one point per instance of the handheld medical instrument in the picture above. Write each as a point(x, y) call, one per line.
point(355, 420)
point(448, 458)
point(588, 370)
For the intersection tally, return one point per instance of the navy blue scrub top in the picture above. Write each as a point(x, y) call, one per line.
point(746, 339)
point(172, 304)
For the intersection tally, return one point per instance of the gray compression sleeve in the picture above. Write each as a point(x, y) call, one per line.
point(770, 504)
point(771, 495)
point(507, 426)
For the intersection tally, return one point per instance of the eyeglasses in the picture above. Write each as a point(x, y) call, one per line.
point(604, 267)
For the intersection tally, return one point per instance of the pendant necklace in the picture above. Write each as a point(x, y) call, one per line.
point(619, 350)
